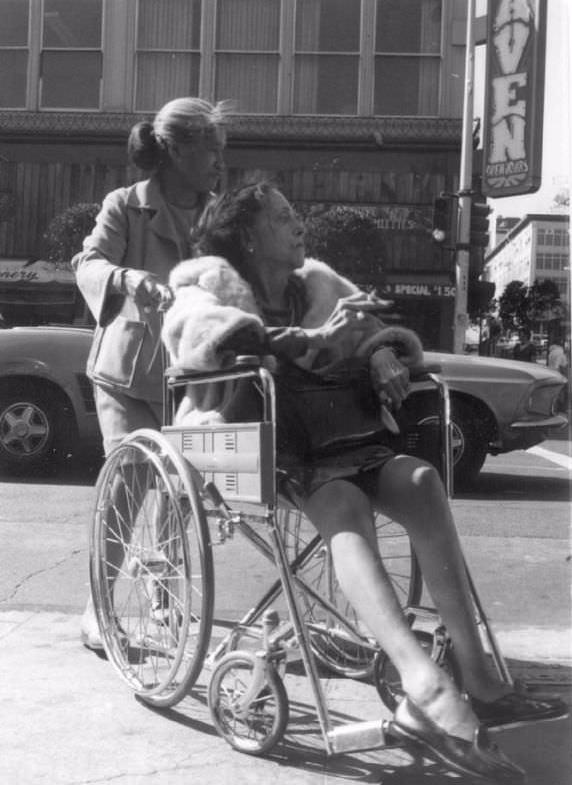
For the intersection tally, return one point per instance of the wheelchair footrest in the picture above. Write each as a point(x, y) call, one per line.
point(354, 736)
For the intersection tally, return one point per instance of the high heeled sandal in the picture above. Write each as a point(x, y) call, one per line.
point(518, 708)
point(479, 758)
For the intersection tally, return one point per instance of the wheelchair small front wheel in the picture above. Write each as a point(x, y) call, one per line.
point(249, 709)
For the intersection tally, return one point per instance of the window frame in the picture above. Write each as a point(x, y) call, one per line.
point(23, 48)
point(119, 51)
point(137, 50)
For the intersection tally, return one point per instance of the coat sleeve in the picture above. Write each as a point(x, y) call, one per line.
point(323, 289)
point(102, 255)
point(197, 327)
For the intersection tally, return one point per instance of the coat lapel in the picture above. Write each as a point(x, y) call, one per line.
point(146, 196)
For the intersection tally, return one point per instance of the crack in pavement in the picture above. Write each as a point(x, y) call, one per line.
point(22, 582)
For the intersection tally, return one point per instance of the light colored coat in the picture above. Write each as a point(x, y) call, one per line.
point(133, 229)
point(212, 301)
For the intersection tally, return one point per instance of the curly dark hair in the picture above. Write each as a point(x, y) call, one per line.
point(221, 230)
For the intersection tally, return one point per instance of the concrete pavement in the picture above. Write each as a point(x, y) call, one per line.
point(68, 719)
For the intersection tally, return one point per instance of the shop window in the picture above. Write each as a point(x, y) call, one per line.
point(327, 50)
point(168, 51)
point(407, 57)
point(14, 21)
point(71, 57)
point(247, 55)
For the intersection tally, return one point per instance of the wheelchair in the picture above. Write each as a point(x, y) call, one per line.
point(163, 499)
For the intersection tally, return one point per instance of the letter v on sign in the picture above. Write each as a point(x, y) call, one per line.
point(511, 33)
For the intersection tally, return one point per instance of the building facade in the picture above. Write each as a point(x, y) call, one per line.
point(354, 102)
point(537, 248)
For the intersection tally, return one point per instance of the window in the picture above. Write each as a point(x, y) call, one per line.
point(247, 54)
point(14, 21)
point(551, 261)
point(327, 57)
point(407, 57)
point(71, 57)
point(301, 57)
point(168, 51)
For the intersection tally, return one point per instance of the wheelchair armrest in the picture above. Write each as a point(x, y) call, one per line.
point(242, 364)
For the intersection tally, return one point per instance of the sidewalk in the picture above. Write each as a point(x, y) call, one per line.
point(67, 719)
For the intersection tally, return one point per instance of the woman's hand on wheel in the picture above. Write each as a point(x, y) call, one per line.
point(390, 378)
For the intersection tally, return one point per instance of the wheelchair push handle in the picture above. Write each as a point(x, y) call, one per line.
point(423, 372)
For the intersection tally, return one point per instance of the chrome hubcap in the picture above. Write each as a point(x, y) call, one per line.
point(24, 429)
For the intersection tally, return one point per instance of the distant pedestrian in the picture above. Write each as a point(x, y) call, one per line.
point(558, 361)
point(524, 350)
point(557, 357)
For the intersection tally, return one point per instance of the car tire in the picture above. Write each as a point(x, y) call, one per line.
point(469, 443)
point(34, 428)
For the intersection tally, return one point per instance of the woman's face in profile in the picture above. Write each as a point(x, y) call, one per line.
point(277, 235)
point(200, 161)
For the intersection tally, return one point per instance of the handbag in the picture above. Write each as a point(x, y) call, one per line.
point(318, 417)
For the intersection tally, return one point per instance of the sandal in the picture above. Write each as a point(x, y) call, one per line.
point(518, 708)
point(480, 758)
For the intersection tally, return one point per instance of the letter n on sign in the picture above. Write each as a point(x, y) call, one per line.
point(514, 97)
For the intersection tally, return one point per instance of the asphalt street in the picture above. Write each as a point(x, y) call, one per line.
point(67, 717)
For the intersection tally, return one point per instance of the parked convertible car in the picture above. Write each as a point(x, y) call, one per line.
point(47, 408)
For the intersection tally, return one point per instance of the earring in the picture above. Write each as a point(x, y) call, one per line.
point(250, 249)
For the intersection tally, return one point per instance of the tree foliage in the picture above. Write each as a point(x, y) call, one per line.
point(513, 306)
point(526, 306)
point(347, 238)
point(65, 233)
point(544, 301)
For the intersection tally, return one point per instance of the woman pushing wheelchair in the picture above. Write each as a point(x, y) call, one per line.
point(251, 290)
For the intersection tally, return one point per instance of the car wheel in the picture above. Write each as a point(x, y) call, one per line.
point(468, 444)
point(32, 427)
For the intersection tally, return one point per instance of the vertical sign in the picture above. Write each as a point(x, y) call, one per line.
point(514, 97)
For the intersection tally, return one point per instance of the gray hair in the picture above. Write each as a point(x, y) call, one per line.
point(183, 118)
point(180, 120)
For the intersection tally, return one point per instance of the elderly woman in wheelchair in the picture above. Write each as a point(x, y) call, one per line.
point(253, 291)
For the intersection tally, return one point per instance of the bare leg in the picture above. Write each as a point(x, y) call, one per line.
point(343, 516)
point(411, 492)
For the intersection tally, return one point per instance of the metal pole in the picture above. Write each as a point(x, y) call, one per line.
point(465, 184)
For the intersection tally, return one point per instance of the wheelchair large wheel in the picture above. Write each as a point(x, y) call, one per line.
point(151, 568)
point(339, 640)
point(251, 723)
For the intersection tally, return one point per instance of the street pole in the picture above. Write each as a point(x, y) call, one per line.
point(465, 185)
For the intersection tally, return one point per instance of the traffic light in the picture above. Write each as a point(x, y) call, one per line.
point(479, 221)
point(479, 296)
point(443, 229)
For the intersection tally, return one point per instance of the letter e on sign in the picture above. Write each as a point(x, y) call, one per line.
point(514, 97)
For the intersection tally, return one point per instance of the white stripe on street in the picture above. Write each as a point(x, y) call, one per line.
point(555, 457)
